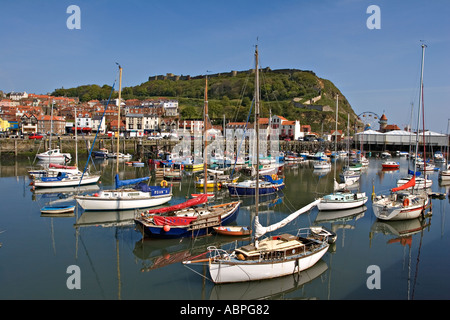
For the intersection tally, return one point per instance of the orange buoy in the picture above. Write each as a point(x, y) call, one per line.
point(406, 202)
point(166, 228)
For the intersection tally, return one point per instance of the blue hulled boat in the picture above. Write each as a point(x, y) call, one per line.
point(267, 185)
point(188, 219)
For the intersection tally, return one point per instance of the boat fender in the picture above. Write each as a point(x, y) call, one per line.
point(164, 183)
point(166, 228)
point(406, 202)
point(240, 256)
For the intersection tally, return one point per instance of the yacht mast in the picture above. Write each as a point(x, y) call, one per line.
point(257, 129)
point(418, 117)
point(118, 119)
point(205, 137)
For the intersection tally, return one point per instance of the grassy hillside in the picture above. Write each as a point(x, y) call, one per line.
point(231, 94)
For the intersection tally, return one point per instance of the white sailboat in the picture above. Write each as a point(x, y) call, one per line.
point(65, 176)
point(54, 155)
point(141, 196)
point(66, 179)
point(341, 199)
point(444, 175)
point(401, 204)
point(421, 183)
point(271, 257)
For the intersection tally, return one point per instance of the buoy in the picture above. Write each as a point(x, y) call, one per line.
point(164, 183)
point(95, 194)
point(166, 228)
point(406, 202)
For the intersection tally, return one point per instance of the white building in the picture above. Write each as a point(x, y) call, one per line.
point(170, 108)
point(18, 95)
point(151, 122)
point(99, 124)
point(288, 128)
point(400, 137)
point(83, 119)
point(134, 124)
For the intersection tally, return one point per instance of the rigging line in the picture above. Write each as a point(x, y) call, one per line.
point(241, 97)
point(267, 92)
point(243, 139)
point(95, 138)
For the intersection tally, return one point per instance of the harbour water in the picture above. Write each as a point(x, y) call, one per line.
point(407, 260)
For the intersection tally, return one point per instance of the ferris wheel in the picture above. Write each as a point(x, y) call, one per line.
point(370, 119)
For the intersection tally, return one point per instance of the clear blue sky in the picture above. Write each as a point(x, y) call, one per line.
point(377, 70)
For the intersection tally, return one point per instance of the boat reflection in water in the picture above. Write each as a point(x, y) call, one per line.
point(115, 218)
point(401, 229)
point(67, 191)
point(271, 289)
point(403, 232)
point(158, 253)
point(340, 215)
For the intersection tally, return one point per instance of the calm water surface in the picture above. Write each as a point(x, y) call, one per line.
point(115, 262)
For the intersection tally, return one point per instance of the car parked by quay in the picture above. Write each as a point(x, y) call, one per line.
point(35, 136)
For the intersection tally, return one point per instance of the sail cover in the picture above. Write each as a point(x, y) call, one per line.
point(121, 183)
point(260, 230)
point(411, 172)
point(192, 202)
point(409, 184)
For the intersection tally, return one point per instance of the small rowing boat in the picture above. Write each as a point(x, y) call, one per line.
point(58, 209)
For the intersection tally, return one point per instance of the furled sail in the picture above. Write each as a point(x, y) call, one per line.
point(190, 203)
point(411, 172)
point(409, 184)
point(121, 183)
point(261, 230)
point(340, 186)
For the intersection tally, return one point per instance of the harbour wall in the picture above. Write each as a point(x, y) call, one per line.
point(141, 148)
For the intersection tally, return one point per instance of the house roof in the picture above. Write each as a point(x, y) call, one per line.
point(391, 127)
point(49, 118)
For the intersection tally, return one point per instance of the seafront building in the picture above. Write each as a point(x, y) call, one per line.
point(24, 113)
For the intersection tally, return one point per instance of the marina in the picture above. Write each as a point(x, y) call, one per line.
point(117, 262)
point(233, 158)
